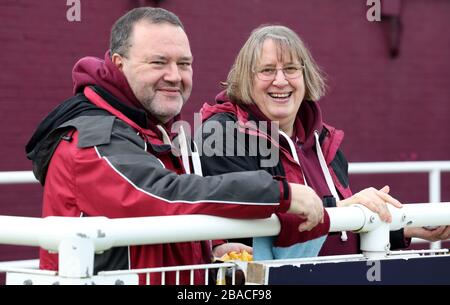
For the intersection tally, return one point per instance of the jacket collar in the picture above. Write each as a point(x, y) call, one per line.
point(137, 115)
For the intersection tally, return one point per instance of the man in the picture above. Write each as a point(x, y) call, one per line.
point(107, 150)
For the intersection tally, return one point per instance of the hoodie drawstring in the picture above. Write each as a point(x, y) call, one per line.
point(185, 151)
point(293, 152)
point(165, 136)
point(326, 173)
point(196, 161)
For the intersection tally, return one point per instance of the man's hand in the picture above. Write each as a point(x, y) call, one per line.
point(440, 233)
point(375, 200)
point(306, 204)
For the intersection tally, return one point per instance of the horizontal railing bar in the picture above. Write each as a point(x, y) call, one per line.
point(169, 269)
point(17, 177)
point(398, 167)
point(30, 263)
point(427, 251)
point(13, 177)
point(106, 233)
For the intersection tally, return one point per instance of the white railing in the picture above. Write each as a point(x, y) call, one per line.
point(105, 233)
point(25, 264)
point(77, 239)
point(17, 177)
point(433, 168)
point(219, 280)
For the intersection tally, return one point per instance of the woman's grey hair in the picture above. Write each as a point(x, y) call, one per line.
point(241, 76)
point(123, 27)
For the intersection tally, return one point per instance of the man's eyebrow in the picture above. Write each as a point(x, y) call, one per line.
point(155, 57)
point(187, 58)
point(162, 57)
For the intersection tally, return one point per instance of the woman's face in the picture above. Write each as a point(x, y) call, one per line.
point(278, 98)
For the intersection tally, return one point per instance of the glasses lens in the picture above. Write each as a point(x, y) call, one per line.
point(267, 74)
point(290, 72)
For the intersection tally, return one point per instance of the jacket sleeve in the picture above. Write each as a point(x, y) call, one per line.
point(398, 240)
point(239, 157)
point(119, 178)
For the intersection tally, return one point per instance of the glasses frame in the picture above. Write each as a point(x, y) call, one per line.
point(263, 78)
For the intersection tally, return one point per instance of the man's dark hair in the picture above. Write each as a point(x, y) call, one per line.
point(123, 28)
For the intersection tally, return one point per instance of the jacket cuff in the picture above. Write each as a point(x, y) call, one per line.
point(217, 242)
point(398, 240)
point(285, 194)
point(289, 234)
point(329, 201)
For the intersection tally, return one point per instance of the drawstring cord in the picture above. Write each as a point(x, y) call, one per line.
point(326, 173)
point(185, 151)
point(293, 152)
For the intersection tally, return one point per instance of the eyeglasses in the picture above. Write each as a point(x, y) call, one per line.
point(289, 72)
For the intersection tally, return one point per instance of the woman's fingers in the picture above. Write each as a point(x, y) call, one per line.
point(375, 200)
point(383, 194)
point(385, 189)
point(370, 199)
point(380, 209)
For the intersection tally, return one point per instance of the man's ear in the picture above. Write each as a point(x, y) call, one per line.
point(117, 60)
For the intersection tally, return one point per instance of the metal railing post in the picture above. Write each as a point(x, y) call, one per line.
point(76, 257)
point(434, 189)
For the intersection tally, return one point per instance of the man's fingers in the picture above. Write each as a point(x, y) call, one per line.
point(446, 234)
point(311, 221)
point(248, 249)
point(305, 226)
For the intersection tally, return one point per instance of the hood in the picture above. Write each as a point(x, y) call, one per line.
point(95, 71)
point(309, 119)
point(223, 105)
point(43, 142)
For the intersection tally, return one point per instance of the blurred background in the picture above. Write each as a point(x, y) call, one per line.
point(388, 81)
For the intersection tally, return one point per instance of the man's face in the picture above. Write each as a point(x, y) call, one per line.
point(158, 68)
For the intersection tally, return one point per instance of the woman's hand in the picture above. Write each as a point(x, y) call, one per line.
point(375, 200)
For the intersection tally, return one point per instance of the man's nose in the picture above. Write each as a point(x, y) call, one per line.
point(172, 73)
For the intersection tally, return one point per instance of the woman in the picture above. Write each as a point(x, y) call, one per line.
point(274, 79)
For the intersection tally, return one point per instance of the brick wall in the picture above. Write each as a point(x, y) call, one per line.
point(391, 109)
